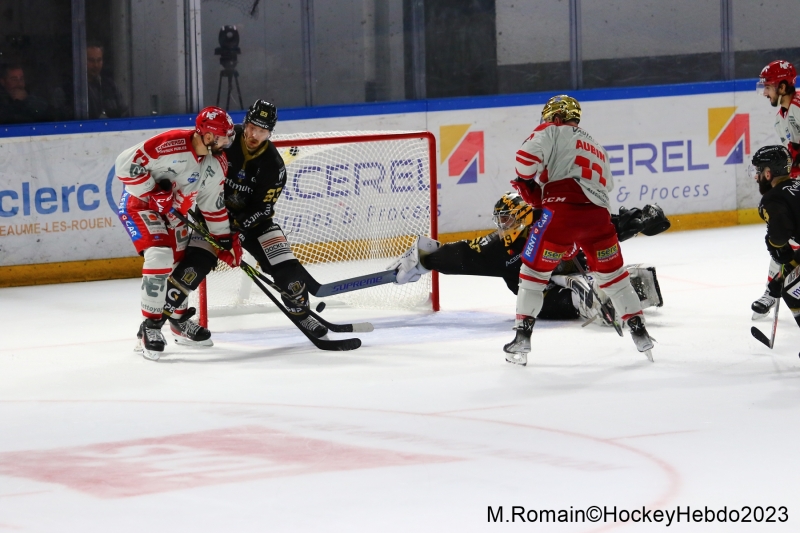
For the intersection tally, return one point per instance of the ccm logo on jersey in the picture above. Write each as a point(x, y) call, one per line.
point(554, 199)
point(608, 253)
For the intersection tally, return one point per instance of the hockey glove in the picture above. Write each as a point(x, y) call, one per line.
point(408, 266)
point(529, 190)
point(232, 255)
point(161, 201)
point(781, 254)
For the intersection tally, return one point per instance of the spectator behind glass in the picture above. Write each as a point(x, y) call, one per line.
point(105, 101)
point(17, 105)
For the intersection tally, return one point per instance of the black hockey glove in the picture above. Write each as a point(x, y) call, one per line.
point(781, 254)
point(249, 220)
point(654, 220)
point(775, 286)
point(628, 223)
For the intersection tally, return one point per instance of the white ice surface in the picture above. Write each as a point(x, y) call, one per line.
point(421, 429)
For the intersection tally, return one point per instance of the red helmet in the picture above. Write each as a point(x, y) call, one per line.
point(776, 72)
point(214, 120)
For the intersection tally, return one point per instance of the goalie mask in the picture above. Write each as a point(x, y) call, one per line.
point(565, 106)
point(512, 215)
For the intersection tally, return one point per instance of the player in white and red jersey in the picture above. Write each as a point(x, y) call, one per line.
point(574, 174)
point(177, 169)
point(777, 84)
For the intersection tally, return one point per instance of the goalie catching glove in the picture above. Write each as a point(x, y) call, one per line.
point(232, 253)
point(408, 266)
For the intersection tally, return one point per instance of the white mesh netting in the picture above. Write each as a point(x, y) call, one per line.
point(348, 209)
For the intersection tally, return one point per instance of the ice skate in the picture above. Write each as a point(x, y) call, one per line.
point(151, 340)
point(763, 305)
point(187, 332)
point(517, 350)
point(643, 341)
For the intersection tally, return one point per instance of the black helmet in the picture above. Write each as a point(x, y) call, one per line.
point(776, 157)
point(262, 114)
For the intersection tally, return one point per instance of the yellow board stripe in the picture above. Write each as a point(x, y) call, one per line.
point(131, 267)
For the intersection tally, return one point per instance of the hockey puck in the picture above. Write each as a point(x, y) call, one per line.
point(320, 307)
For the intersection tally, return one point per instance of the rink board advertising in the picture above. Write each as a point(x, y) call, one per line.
point(688, 153)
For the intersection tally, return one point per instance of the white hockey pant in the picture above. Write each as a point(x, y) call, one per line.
point(157, 267)
point(530, 295)
point(617, 286)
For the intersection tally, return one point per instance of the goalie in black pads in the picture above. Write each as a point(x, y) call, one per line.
point(780, 209)
point(498, 255)
point(255, 178)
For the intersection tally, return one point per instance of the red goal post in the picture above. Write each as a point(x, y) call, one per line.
point(353, 202)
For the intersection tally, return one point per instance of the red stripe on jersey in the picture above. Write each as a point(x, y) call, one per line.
point(216, 218)
point(531, 278)
point(525, 176)
point(615, 280)
point(169, 142)
point(523, 156)
point(134, 180)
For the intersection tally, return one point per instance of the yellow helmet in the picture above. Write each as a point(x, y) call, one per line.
point(512, 215)
point(563, 105)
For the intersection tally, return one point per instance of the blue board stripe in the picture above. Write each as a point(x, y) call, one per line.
point(381, 108)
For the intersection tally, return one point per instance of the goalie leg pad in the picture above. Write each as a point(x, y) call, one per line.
point(645, 283)
point(186, 277)
point(617, 286)
point(155, 271)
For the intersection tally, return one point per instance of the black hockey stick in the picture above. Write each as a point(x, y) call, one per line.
point(358, 327)
point(769, 343)
point(788, 285)
point(322, 344)
point(361, 327)
point(608, 314)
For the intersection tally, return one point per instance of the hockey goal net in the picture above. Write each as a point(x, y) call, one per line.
point(353, 202)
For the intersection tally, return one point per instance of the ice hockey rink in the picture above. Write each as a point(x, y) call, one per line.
point(421, 429)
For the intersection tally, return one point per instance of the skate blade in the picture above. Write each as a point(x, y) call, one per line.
point(151, 355)
point(649, 355)
point(183, 341)
point(589, 321)
point(759, 316)
point(520, 362)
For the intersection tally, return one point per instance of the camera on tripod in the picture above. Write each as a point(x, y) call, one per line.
point(228, 50)
point(228, 53)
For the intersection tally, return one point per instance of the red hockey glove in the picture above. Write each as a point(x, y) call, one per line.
point(232, 255)
point(529, 190)
point(161, 201)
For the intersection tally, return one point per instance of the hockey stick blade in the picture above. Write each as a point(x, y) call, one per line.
point(760, 337)
point(356, 283)
point(364, 327)
point(342, 345)
point(357, 327)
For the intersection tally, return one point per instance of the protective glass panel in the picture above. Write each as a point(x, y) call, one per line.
point(35, 61)
point(650, 42)
point(762, 32)
point(532, 46)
